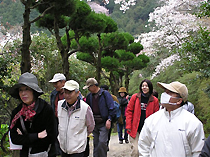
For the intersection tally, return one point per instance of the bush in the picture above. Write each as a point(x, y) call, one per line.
point(4, 129)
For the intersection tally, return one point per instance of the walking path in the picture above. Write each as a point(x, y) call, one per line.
point(115, 149)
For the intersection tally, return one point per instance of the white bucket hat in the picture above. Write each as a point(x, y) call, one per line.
point(58, 77)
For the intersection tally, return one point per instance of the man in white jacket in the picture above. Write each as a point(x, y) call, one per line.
point(172, 131)
point(76, 121)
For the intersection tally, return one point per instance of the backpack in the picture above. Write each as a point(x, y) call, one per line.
point(117, 112)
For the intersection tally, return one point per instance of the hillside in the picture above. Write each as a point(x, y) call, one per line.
point(132, 20)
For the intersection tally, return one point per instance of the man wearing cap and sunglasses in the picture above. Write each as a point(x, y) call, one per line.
point(172, 131)
point(76, 121)
point(102, 105)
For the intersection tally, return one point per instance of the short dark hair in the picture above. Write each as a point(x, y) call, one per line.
point(149, 83)
point(104, 87)
point(155, 93)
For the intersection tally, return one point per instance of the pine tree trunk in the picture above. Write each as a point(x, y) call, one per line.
point(25, 53)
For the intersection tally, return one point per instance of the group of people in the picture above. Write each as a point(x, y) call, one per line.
point(63, 127)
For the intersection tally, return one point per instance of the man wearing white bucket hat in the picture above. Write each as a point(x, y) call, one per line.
point(76, 121)
point(172, 131)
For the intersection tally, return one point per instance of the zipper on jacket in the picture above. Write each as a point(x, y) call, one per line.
point(169, 115)
point(66, 134)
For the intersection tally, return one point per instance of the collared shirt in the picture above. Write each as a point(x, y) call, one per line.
point(89, 120)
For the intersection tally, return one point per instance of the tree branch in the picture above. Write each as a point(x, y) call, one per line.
point(24, 2)
point(73, 51)
point(37, 4)
point(40, 16)
point(104, 75)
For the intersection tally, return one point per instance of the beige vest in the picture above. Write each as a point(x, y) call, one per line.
point(72, 129)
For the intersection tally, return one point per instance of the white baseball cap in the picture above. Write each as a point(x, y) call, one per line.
point(71, 85)
point(58, 77)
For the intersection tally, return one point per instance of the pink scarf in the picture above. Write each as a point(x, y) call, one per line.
point(27, 111)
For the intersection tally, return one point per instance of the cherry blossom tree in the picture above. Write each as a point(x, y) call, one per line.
point(125, 4)
point(174, 22)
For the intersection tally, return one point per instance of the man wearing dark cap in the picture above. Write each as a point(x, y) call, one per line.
point(172, 131)
point(102, 106)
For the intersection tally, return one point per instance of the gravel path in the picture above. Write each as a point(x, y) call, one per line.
point(115, 149)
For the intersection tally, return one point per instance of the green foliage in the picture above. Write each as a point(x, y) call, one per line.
point(140, 62)
point(196, 52)
point(11, 16)
point(80, 71)
point(89, 45)
point(78, 18)
point(134, 19)
point(111, 25)
point(135, 47)
point(115, 40)
point(204, 10)
point(4, 129)
point(47, 60)
point(97, 24)
point(71, 35)
point(85, 57)
point(124, 55)
point(135, 81)
point(109, 63)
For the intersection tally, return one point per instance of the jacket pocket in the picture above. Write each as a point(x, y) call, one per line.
point(153, 143)
point(185, 143)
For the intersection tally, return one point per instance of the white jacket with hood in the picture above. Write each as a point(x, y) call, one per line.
point(179, 134)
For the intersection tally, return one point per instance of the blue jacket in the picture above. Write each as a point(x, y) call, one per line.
point(106, 107)
point(52, 98)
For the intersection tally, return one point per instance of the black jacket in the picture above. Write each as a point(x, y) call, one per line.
point(44, 119)
point(123, 104)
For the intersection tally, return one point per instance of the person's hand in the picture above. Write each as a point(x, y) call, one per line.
point(127, 97)
point(19, 132)
point(108, 124)
point(42, 134)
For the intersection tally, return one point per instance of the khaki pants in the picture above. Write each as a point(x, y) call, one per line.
point(134, 145)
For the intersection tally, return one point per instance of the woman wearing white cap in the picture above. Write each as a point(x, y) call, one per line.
point(32, 121)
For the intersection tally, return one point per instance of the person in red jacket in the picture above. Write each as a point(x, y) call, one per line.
point(141, 106)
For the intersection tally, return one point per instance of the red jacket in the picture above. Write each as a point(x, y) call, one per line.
point(133, 112)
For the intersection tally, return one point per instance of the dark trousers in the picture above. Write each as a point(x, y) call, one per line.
point(73, 155)
point(100, 139)
point(120, 128)
point(109, 135)
point(87, 149)
point(57, 145)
